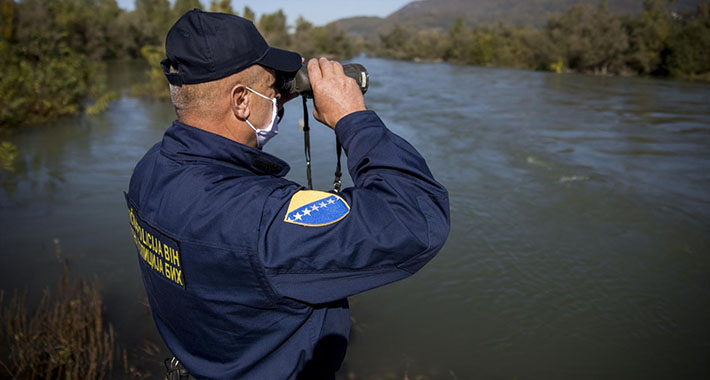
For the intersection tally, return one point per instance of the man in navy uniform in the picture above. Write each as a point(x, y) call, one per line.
point(246, 272)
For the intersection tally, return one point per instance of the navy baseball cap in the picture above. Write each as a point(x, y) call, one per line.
point(206, 46)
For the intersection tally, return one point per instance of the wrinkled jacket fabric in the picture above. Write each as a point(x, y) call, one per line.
point(243, 294)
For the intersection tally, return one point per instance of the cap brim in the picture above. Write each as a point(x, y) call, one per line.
point(281, 60)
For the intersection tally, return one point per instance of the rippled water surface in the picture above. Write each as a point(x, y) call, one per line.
point(580, 243)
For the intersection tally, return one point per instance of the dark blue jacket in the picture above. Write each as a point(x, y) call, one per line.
point(247, 273)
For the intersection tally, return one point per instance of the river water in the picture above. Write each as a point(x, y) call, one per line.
point(580, 242)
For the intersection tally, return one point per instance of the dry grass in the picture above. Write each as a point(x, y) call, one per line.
point(64, 338)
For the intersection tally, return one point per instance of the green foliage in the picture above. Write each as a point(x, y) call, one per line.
point(86, 26)
point(442, 14)
point(331, 41)
point(648, 36)
point(182, 6)
point(429, 44)
point(404, 42)
point(43, 81)
point(393, 43)
point(248, 14)
point(460, 38)
point(496, 46)
point(273, 28)
point(156, 85)
point(301, 38)
point(8, 156)
point(583, 39)
point(688, 51)
point(589, 40)
point(149, 23)
point(223, 6)
point(51, 57)
point(310, 41)
point(102, 103)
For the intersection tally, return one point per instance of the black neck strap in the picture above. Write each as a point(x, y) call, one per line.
point(307, 142)
point(337, 182)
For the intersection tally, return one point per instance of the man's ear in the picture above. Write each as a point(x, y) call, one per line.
point(240, 102)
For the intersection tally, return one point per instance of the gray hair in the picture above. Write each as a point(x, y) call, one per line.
point(200, 99)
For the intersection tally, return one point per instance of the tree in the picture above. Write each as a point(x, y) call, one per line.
point(648, 36)
point(428, 44)
point(156, 85)
point(150, 22)
point(301, 41)
point(7, 16)
point(332, 42)
point(394, 42)
point(273, 28)
point(608, 43)
point(460, 39)
point(248, 14)
point(688, 49)
point(223, 6)
point(51, 51)
point(182, 6)
point(539, 52)
point(589, 40)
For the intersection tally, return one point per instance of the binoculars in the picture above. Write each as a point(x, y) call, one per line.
point(301, 84)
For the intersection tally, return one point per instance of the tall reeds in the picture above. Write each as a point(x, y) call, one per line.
point(63, 338)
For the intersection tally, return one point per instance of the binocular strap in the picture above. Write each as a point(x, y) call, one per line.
point(337, 182)
point(307, 142)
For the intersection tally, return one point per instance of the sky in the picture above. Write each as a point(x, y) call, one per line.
point(318, 12)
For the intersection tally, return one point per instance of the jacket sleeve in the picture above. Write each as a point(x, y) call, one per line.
point(398, 220)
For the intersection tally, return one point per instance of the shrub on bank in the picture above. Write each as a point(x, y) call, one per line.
point(64, 338)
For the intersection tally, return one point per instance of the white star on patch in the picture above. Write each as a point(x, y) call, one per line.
point(315, 208)
point(323, 204)
point(331, 201)
point(306, 212)
point(298, 216)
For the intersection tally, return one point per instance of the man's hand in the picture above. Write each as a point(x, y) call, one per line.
point(334, 94)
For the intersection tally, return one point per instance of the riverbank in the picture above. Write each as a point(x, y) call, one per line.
point(657, 42)
point(65, 336)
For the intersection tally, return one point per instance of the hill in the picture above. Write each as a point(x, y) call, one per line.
point(443, 13)
point(360, 26)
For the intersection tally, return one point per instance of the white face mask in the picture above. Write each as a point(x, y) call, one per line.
point(264, 135)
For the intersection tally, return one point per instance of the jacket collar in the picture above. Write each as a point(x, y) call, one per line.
point(184, 143)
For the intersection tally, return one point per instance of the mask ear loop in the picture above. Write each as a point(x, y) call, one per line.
point(274, 109)
point(307, 142)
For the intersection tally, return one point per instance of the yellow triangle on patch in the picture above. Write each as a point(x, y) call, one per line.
point(312, 208)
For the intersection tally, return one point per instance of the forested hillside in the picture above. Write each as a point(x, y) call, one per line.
point(658, 40)
point(476, 13)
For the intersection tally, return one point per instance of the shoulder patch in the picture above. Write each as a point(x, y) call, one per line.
point(313, 208)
